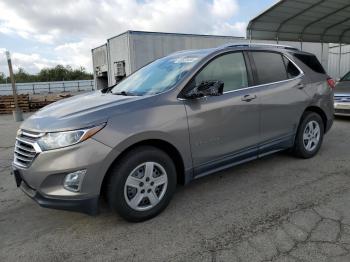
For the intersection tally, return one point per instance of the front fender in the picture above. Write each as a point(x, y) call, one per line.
point(166, 122)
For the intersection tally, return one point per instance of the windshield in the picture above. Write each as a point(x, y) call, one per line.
point(160, 75)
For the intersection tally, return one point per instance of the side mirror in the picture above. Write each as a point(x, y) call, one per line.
point(207, 88)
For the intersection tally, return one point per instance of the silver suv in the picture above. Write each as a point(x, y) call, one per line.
point(342, 96)
point(177, 119)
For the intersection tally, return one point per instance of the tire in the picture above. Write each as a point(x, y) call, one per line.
point(141, 184)
point(303, 148)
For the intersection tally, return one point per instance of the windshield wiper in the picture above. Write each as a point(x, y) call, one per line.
point(107, 89)
point(122, 93)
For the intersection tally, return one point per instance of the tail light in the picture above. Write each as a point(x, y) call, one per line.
point(331, 82)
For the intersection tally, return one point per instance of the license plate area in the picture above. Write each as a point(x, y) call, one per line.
point(342, 106)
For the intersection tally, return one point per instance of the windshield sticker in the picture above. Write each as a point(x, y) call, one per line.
point(183, 60)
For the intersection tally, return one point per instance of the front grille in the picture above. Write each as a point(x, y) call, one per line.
point(342, 98)
point(26, 148)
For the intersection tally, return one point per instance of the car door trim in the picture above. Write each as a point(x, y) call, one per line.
point(227, 161)
point(244, 155)
point(276, 144)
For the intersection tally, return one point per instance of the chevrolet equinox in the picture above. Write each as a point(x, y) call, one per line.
point(179, 118)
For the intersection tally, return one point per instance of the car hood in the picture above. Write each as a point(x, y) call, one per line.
point(342, 87)
point(77, 112)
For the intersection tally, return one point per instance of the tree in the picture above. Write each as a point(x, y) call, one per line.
point(57, 73)
point(2, 78)
point(22, 76)
point(61, 73)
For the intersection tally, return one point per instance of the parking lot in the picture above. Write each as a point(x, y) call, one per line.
point(274, 209)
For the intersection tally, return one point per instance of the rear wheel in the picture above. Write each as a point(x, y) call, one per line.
point(142, 184)
point(309, 135)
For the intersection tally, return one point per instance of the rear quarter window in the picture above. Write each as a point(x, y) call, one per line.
point(312, 62)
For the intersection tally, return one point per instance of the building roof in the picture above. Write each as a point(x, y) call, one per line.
point(325, 21)
point(175, 34)
point(98, 47)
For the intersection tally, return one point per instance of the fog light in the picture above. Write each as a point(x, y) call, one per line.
point(73, 181)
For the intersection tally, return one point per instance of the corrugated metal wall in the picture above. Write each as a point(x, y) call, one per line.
point(333, 64)
point(146, 47)
point(100, 65)
point(118, 51)
point(99, 56)
point(139, 48)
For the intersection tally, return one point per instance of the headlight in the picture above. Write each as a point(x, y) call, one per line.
point(67, 138)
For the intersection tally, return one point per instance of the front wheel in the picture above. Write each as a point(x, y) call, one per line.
point(309, 135)
point(142, 184)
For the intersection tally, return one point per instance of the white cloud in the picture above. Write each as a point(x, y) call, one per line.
point(29, 62)
point(224, 8)
point(226, 28)
point(77, 53)
point(73, 28)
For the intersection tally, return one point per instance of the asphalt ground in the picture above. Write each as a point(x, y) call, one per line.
point(278, 208)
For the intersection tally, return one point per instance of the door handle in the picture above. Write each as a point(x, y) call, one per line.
point(248, 98)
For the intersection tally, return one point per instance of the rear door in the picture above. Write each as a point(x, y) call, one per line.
point(282, 99)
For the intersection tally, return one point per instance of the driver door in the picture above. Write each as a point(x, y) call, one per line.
point(223, 129)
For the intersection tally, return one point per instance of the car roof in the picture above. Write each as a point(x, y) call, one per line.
point(244, 46)
point(209, 53)
point(258, 45)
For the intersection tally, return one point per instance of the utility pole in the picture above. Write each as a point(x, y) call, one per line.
point(17, 113)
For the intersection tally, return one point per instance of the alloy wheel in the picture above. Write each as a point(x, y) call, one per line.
point(311, 135)
point(145, 186)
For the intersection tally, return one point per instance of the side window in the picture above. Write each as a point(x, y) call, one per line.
point(228, 68)
point(269, 66)
point(292, 70)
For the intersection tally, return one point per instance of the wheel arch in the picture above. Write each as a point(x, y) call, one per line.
point(318, 111)
point(161, 144)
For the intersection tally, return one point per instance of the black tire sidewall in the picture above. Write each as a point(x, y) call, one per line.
point(300, 149)
point(121, 172)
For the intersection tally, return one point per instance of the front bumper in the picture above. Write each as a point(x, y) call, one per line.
point(43, 180)
point(87, 206)
point(342, 109)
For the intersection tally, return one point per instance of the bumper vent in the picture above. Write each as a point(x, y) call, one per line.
point(342, 111)
point(26, 148)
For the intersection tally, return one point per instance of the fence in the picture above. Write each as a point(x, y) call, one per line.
point(48, 87)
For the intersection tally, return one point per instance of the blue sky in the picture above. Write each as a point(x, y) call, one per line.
point(42, 33)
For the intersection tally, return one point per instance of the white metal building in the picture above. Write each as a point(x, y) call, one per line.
point(100, 66)
point(127, 52)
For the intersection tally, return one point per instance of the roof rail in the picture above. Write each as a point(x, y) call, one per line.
point(257, 45)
